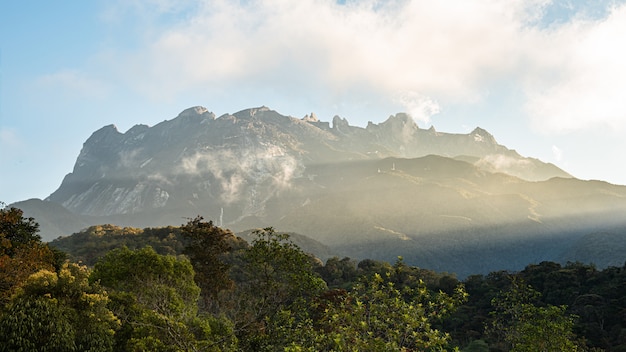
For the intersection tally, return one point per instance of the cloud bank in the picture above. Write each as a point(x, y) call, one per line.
point(419, 56)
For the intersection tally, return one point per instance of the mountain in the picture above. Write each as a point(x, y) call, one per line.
point(451, 202)
point(241, 161)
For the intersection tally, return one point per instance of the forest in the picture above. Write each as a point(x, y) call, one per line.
point(198, 287)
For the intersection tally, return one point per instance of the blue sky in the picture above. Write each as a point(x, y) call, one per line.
point(547, 78)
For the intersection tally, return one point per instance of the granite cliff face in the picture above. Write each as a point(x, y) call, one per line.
point(243, 160)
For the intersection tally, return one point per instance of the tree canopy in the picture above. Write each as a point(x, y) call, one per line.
point(156, 298)
point(59, 312)
point(21, 251)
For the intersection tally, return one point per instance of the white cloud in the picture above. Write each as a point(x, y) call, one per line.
point(440, 49)
point(417, 55)
point(419, 106)
point(584, 81)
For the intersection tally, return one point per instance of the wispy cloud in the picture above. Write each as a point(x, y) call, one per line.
point(74, 82)
point(557, 153)
point(239, 173)
point(419, 106)
point(9, 138)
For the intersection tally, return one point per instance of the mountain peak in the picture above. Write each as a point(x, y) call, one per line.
point(481, 135)
point(104, 133)
point(107, 129)
point(197, 111)
point(247, 113)
point(310, 118)
point(262, 108)
point(339, 123)
point(137, 129)
point(400, 118)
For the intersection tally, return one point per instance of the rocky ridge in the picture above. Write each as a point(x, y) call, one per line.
point(244, 159)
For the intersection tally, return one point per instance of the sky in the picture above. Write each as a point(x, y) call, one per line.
point(546, 78)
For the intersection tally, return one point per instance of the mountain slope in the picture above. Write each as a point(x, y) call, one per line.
point(53, 219)
point(448, 215)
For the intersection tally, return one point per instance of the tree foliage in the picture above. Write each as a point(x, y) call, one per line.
point(17, 229)
point(59, 312)
point(379, 315)
point(21, 252)
point(206, 245)
point(339, 273)
point(156, 298)
point(92, 243)
point(279, 272)
point(276, 282)
point(527, 327)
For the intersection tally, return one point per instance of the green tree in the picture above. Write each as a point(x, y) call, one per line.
point(524, 326)
point(339, 273)
point(379, 316)
point(369, 267)
point(205, 247)
point(16, 228)
point(58, 312)
point(156, 298)
point(278, 282)
point(21, 252)
point(477, 346)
